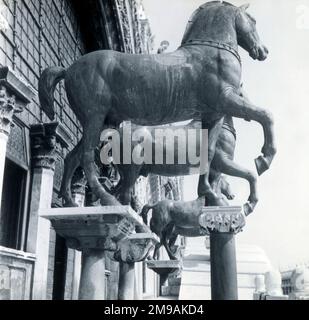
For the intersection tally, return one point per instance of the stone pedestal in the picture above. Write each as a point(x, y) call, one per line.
point(164, 268)
point(97, 230)
point(223, 223)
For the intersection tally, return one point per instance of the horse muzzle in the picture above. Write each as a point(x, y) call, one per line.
point(259, 52)
point(262, 53)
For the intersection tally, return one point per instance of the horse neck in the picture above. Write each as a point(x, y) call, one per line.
point(216, 23)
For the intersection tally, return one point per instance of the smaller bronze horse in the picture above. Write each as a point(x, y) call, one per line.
point(172, 218)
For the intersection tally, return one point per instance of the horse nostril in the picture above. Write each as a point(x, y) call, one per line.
point(266, 50)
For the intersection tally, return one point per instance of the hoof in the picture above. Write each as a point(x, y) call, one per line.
point(248, 208)
point(261, 165)
point(217, 202)
point(231, 197)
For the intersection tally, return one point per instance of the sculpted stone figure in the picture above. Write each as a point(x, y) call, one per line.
point(200, 80)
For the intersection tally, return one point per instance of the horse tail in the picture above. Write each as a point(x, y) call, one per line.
point(144, 213)
point(47, 85)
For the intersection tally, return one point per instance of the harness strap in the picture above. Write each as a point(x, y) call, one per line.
point(214, 44)
point(230, 129)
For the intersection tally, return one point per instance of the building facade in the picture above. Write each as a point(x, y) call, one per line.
point(35, 34)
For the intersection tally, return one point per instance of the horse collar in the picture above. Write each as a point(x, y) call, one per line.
point(214, 44)
point(230, 128)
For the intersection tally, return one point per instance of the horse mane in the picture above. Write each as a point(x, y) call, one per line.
point(198, 10)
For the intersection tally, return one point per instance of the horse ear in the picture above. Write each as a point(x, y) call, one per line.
point(245, 6)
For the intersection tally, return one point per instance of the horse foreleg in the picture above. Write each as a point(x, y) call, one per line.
point(129, 174)
point(204, 187)
point(156, 253)
point(231, 103)
point(90, 141)
point(71, 163)
point(229, 167)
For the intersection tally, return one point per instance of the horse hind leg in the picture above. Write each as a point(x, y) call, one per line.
point(166, 234)
point(204, 187)
point(129, 177)
point(71, 163)
point(90, 141)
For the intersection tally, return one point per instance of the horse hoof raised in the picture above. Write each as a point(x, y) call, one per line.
point(248, 208)
point(231, 196)
point(261, 165)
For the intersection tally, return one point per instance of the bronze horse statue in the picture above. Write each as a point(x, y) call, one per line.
point(222, 163)
point(173, 218)
point(200, 80)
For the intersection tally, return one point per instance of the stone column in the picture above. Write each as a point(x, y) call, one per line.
point(7, 110)
point(135, 248)
point(223, 223)
point(126, 281)
point(92, 281)
point(78, 188)
point(43, 157)
point(223, 266)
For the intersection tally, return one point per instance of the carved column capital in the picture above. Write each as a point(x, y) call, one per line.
point(8, 108)
point(135, 248)
point(222, 219)
point(43, 145)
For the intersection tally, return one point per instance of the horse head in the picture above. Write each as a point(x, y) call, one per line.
point(247, 36)
point(222, 22)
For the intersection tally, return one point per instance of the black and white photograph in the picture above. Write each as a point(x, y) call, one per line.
point(154, 150)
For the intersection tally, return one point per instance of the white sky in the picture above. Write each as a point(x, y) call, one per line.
point(280, 223)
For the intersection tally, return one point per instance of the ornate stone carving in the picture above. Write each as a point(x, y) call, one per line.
point(222, 219)
point(8, 108)
point(16, 146)
point(137, 28)
point(125, 25)
point(135, 248)
point(47, 143)
point(43, 145)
